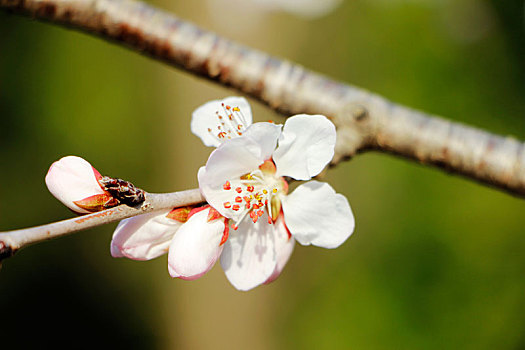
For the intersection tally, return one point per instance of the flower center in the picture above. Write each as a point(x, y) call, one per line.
point(256, 192)
point(231, 123)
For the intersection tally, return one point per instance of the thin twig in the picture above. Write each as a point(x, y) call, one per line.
point(11, 241)
point(365, 121)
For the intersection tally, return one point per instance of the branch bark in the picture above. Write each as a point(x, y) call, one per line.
point(11, 241)
point(365, 121)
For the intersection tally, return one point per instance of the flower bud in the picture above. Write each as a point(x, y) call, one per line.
point(74, 182)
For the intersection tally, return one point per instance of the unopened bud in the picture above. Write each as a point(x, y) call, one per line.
point(72, 179)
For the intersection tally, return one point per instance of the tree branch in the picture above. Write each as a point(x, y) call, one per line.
point(365, 121)
point(11, 241)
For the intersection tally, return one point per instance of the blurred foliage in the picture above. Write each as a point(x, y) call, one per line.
point(436, 261)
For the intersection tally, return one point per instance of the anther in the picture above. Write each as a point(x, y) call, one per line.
point(236, 207)
point(238, 199)
point(238, 189)
point(227, 186)
point(227, 205)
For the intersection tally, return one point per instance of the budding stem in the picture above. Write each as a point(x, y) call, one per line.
point(11, 241)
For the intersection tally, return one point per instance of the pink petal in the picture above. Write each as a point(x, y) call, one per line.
point(284, 244)
point(144, 237)
point(196, 246)
point(72, 179)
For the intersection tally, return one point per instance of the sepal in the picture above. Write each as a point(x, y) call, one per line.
point(97, 202)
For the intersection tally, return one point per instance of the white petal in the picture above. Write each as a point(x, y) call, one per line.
point(306, 146)
point(284, 244)
point(196, 247)
point(144, 237)
point(316, 215)
point(249, 257)
point(72, 179)
point(233, 159)
point(227, 163)
point(205, 117)
point(266, 135)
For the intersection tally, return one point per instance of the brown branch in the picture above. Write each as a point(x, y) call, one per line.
point(11, 241)
point(365, 121)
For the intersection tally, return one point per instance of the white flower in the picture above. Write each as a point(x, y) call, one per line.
point(244, 181)
point(74, 182)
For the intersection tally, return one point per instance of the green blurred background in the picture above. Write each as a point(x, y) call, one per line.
point(436, 261)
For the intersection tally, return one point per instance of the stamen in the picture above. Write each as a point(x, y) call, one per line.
point(254, 216)
point(256, 193)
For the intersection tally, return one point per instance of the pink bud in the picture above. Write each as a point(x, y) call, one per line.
point(74, 182)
